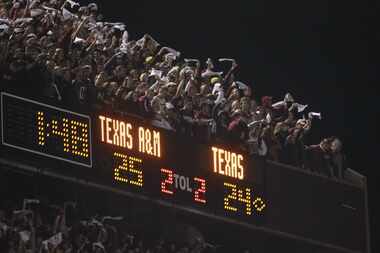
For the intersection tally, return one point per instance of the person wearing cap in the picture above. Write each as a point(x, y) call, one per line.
point(282, 109)
point(237, 128)
point(266, 102)
point(214, 80)
point(93, 8)
point(172, 89)
point(317, 157)
point(32, 49)
point(211, 88)
point(265, 108)
point(294, 144)
point(143, 77)
point(173, 74)
point(326, 158)
point(222, 120)
point(82, 84)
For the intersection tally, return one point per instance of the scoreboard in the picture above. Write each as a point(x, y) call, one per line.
point(126, 152)
point(130, 154)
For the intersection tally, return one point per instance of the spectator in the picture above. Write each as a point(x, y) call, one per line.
point(337, 158)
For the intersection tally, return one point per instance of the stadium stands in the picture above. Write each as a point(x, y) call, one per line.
point(64, 52)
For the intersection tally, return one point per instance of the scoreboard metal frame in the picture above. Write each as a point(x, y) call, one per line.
point(129, 154)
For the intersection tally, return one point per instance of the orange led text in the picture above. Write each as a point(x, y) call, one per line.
point(228, 163)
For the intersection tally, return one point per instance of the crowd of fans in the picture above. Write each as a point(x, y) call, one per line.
point(42, 227)
point(87, 62)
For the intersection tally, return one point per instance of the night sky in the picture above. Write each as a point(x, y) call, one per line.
point(320, 51)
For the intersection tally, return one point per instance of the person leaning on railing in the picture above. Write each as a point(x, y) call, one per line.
point(326, 158)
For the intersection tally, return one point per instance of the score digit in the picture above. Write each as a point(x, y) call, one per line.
point(245, 199)
point(41, 128)
point(231, 196)
point(167, 181)
point(243, 196)
point(200, 190)
point(131, 165)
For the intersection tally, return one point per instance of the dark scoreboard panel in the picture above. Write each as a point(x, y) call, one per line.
point(127, 153)
point(130, 154)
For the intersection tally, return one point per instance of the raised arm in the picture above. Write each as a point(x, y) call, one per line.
point(81, 24)
point(227, 77)
point(197, 72)
point(109, 63)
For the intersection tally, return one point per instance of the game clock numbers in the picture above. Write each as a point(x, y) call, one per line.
point(221, 185)
point(46, 130)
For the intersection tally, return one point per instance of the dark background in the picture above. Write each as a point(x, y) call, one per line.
point(320, 51)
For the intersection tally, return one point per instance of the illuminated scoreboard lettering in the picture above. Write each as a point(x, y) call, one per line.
point(121, 133)
point(227, 163)
point(46, 130)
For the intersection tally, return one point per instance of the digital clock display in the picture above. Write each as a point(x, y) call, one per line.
point(46, 130)
point(132, 155)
